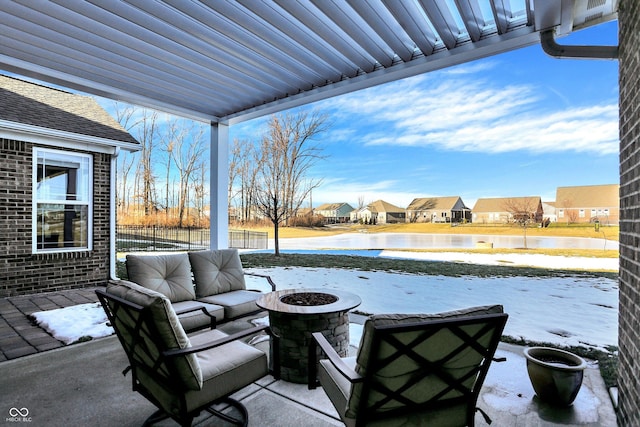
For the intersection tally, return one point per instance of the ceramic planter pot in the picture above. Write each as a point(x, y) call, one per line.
point(556, 375)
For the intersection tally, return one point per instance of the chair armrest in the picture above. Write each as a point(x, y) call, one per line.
point(216, 343)
point(333, 357)
point(271, 282)
point(212, 318)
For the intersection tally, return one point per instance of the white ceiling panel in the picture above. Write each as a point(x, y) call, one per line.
point(230, 61)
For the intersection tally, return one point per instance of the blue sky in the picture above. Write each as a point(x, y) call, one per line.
point(517, 124)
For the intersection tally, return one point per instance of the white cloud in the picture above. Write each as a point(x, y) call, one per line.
point(475, 115)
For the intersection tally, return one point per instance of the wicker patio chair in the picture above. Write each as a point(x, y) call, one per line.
point(181, 375)
point(412, 369)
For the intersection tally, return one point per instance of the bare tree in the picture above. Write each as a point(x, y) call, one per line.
point(199, 188)
point(569, 212)
point(147, 126)
point(422, 205)
point(523, 212)
point(188, 151)
point(124, 164)
point(287, 155)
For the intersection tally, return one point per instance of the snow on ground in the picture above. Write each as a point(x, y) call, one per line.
point(560, 310)
point(69, 324)
point(511, 259)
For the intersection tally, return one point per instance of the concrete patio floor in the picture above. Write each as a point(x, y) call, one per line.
point(82, 384)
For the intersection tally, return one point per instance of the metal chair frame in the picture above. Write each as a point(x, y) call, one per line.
point(149, 356)
point(492, 324)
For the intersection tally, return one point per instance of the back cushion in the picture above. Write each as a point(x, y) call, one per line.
point(217, 271)
point(172, 336)
point(396, 373)
point(168, 274)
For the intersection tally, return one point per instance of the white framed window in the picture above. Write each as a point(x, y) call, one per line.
point(62, 201)
point(593, 213)
point(561, 213)
point(581, 213)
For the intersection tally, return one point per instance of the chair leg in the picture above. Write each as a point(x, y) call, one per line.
point(240, 421)
point(157, 416)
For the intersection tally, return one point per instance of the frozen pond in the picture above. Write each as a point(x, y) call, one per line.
point(440, 241)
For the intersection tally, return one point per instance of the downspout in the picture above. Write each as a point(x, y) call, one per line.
point(112, 213)
point(552, 48)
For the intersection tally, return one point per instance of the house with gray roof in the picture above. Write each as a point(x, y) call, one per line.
point(57, 193)
point(334, 213)
point(438, 210)
point(381, 212)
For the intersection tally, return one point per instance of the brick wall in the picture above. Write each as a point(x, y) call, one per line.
point(21, 272)
point(629, 318)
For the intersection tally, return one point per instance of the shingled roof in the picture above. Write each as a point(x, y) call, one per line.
point(33, 104)
point(433, 203)
point(499, 204)
point(382, 206)
point(603, 196)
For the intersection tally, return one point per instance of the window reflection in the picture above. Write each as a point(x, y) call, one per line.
point(62, 211)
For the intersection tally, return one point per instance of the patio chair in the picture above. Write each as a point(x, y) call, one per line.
point(412, 369)
point(181, 375)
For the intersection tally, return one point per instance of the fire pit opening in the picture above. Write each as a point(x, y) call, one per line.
point(309, 298)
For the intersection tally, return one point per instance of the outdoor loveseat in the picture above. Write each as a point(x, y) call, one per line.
point(204, 287)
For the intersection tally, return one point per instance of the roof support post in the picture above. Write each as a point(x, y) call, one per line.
point(218, 184)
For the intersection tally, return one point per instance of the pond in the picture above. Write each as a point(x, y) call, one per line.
point(441, 241)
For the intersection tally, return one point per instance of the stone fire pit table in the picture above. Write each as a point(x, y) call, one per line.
point(295, 313)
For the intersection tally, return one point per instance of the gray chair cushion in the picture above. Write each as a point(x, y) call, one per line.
point(217, 271)
point(338, 390)
point(225, 369)
point(397, 372)
point(172, 335)
point(197, 319)
point(235, 303)
point(168, 274)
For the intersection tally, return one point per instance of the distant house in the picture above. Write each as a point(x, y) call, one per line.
point(57, 195)
point(549, 211)
point(589, 203)
point(438, 209)
point(334, 213)
point(503, 210)
point(381, 212)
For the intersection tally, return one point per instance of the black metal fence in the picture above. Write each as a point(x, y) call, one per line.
point(131, 238)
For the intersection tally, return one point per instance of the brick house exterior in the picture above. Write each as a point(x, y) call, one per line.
point(588, 203)
point(32, 118)
point(629, 313)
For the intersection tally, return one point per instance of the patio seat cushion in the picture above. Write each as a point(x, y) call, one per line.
point(401, 369)
point(235, 303)
point(196, 319)
point(217, 271)
point(169, 275)
point(226, 368)
point(169, 329)
point(338, 389)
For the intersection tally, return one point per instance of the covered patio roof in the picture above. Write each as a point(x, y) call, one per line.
point(231, 61)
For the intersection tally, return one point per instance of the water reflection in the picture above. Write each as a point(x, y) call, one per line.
point(441, 241)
